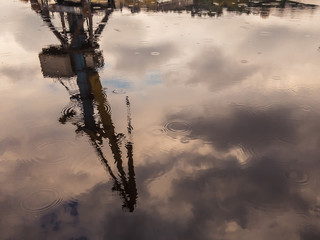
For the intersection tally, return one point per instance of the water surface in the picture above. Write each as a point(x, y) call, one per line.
point(169, 120)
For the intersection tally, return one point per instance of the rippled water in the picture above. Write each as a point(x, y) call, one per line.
point(160, 120)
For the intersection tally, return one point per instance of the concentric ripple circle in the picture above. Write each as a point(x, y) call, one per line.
point(177, 126)
point(155, 53)
point(177, 129)
point(316, 210)
point(107, 107)
point(119, 91)
point(68, 111)
point(41, 200)
point(297, 176)
point(55, 151)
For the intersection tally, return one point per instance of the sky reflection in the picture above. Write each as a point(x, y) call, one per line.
point(178, 127)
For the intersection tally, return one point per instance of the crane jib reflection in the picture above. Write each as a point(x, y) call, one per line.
point(78, 55)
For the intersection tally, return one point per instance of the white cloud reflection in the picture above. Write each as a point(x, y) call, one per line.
point(246, 90)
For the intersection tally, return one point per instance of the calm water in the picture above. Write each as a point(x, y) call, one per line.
point(173, 120)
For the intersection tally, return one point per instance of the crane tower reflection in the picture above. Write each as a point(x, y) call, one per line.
point(75, 63)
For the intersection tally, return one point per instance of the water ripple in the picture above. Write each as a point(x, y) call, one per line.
point(68, 111)
point(41, 201)
point(297, 176)
point(119, 91)
point(316, 210)
point(155, 53)
point(185, 140)
point(55, 151)
point(265, 34)
point(68, 114)
point(157, 131)
point(177, 128)
point(107, 107)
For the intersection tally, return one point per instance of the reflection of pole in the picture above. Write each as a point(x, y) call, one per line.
point(129, 191)
point(63, 25)
point(108, 127)
point(131, 188)
point(90, 29)
point(129, 116)
point(102, 24)
point(132, 182)
point(46, 18)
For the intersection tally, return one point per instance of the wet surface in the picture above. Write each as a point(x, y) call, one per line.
point(169, 120)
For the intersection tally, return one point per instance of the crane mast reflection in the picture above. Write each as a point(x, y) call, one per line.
point(75, 63)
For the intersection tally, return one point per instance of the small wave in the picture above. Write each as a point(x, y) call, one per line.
point(107, 107)
point(297, 176)
point(185, 140)
point(41, 201)
point(177, 127)
point(265, 34)
point(119, 91)
point(55, 151)
point(157, 131)
point(67, 114)
point(316, 210)
point(155, 53)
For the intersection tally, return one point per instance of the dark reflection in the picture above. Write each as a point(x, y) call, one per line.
point(89, 110)
point(216, 7)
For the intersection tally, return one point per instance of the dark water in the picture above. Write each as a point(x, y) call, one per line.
point(170, 120)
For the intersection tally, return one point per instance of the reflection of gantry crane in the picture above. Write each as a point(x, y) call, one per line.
point(78, 55)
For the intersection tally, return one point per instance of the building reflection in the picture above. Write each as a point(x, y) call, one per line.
point(213, 8)
point(75, 63)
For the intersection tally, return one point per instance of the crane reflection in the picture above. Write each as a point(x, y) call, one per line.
point(75, 63)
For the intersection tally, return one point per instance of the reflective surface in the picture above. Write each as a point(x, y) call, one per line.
point(168, 120)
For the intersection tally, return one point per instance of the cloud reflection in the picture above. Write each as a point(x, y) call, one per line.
point(225, 200)
point(214, 69)
point(247, 172)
